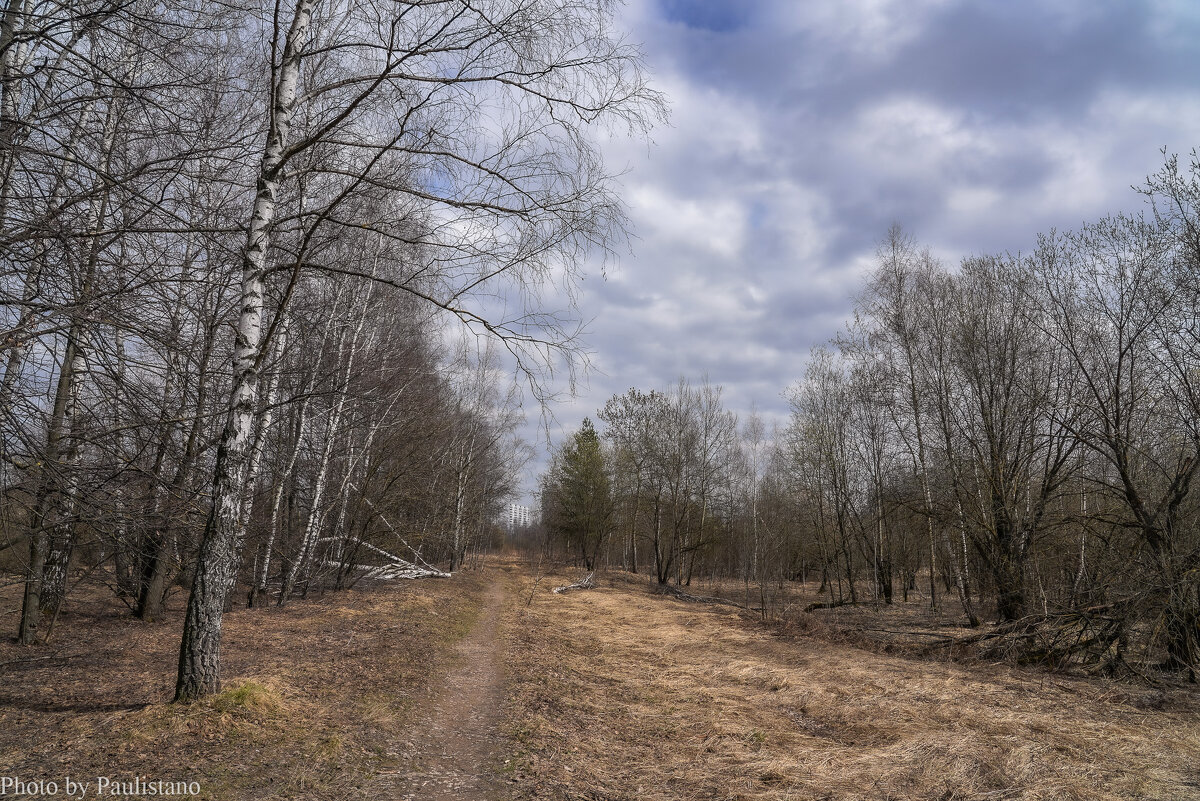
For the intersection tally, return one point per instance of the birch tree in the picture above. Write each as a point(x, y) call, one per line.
point(507, 198)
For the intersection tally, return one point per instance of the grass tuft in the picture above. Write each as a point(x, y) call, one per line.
point(248, 696)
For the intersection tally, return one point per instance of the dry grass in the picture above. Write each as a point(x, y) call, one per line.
point(315, 705)
point(617, 694)
point(613, 693)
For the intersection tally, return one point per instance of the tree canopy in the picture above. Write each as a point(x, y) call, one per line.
point(577, 494)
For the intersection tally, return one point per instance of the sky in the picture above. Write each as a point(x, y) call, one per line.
point(800, 130)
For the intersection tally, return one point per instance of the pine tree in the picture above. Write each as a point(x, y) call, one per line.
point(578, 495)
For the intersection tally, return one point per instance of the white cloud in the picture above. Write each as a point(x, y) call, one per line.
point(797, 139)
point(715, 225)
point(871, 29)
point(917, 138)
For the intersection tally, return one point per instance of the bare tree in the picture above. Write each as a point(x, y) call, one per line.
point(500, 202)
point(1117, 300)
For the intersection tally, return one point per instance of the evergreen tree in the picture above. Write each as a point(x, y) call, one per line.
point(577, 497)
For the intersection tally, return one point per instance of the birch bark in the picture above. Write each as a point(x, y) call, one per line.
point(312, 527)
point(53, 537)
point(200, 648)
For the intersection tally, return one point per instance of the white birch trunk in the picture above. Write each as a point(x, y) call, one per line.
point(460, 497)
point(312, 528)
point(356, 457)
point(54, 522)
point(199, 654)
point(260, 442)
point(12, 65)
point(263, 571)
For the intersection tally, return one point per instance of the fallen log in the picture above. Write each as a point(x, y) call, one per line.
point(675, 592)
point(399, 569)
point(826, 605)
point(586, 583)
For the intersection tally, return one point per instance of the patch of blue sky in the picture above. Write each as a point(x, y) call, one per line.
point(719, 16)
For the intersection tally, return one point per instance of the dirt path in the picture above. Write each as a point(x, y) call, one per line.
point(452, 751)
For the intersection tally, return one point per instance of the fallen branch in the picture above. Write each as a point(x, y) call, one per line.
point(1088, 637)
point(26, 661)
point(675, 592)
point(398, 569)
point(948, 638)
point(825, 605)
point(368, 546)
point(585, 583)
point(536, 581)
point(405, 570)
point(393, 529)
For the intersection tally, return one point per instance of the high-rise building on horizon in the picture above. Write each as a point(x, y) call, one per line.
point(518, 516)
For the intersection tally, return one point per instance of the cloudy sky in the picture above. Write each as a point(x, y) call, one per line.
point(801, 129)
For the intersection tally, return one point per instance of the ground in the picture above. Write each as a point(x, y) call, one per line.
point(490, 687)
point(453, 750)
point(628, 695)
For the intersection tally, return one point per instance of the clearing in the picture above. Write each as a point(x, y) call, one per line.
point(488, 687)
point(621, 694)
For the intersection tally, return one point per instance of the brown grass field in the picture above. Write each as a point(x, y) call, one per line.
point(620, 694)
point(611, 693)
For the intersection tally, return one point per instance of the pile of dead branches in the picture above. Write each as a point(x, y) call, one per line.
point(401, 569)
point(395, 567)
point(1094, 639)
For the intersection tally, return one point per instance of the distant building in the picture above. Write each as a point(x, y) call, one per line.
point(518, 516)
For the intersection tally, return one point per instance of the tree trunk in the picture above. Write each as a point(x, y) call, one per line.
point(199, 652)
point(65, 497)
point(51, 514)
point(312, 528)
point(1008, 565)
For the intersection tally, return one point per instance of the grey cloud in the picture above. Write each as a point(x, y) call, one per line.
point(801, 132)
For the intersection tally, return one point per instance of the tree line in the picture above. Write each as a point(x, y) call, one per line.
point(1015, 437)
point(249, 256)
